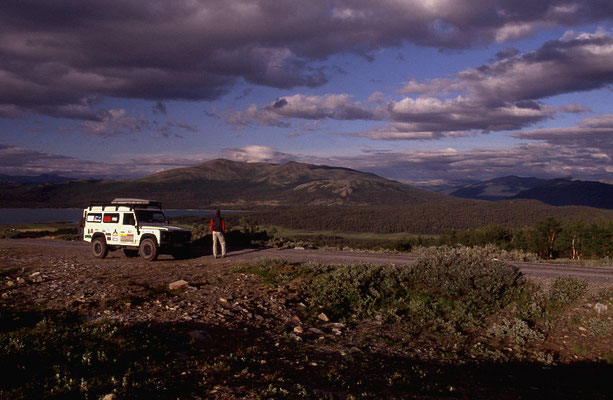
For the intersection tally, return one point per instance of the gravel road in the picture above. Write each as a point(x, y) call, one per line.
point(536, 270)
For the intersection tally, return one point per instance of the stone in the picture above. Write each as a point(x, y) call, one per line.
point(200, 336)
point(177, 285)
point(600, 308)
point(323, 317)
point(316, 331)
point(110, 396)
point(295, 337)
point(298, 329)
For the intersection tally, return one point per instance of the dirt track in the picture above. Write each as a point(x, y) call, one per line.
point(537, 270)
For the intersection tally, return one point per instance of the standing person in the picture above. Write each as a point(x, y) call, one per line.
point(218, 227)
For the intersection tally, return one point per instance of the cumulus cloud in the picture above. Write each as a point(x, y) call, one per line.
point(21, 161)
point(544, 160)
point(57, 57)
point(507, 94)
point(578, 62)
point(450, 165)
point(594, 133)
point(298, 106)
point(257, 153)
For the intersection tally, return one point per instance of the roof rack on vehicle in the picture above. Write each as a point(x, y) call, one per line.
point(136, 202)
point(129, 202)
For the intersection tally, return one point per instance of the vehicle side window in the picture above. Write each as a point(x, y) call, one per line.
point(94, 217)
point(128, 219)
point(110, 218)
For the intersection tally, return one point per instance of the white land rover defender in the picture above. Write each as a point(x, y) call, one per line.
point(137, 226)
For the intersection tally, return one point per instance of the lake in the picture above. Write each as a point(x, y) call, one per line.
point(34, 215)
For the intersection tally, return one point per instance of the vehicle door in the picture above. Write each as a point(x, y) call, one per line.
point(128, 229)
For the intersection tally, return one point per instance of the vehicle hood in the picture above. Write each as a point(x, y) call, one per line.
point(163, 227)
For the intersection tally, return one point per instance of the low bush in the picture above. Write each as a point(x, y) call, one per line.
point(516, 331)
point(445, 286)
point(481, 284)
point(360, 290)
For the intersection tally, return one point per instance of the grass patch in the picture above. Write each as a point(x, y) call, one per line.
point(59, 230)
point(276, 272)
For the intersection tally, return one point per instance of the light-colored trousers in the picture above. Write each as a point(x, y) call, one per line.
point(218, 236)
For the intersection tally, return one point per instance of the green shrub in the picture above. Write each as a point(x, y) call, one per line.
point(353, 289)
point(563, 292)
point(481, 284)
point(446, 286)
point(489, 251)
point(516, 331)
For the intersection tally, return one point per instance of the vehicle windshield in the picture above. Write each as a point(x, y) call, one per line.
point(144, 216)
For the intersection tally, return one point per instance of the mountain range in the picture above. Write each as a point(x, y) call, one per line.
point(238, 185)
point(556, 192)
point(34, 180)
point(228, 184)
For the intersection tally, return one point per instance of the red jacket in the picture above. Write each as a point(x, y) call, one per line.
point(218, 224)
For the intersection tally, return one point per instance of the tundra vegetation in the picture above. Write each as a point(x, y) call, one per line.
point(456, 324)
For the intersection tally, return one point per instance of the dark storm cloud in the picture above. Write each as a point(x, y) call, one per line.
point(507, 94)
point(57, 57)
point(578, 62)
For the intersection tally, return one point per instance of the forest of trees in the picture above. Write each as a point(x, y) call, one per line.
point(549, 238)
point(569, 234)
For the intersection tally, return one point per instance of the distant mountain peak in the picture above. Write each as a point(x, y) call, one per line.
point(234, 184)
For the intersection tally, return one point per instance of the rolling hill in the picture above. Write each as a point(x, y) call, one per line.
point(565, 192)
point(555, 192)
point(231, 185)
point(495, 189)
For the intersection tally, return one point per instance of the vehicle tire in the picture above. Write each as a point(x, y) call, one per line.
point(99, 247)
point(148, 249)
point(130, 253)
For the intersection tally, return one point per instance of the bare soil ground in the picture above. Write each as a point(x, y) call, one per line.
point(236, 336)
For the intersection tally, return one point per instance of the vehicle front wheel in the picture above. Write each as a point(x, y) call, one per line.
point(130, 253)
point(148, 249)
point(99, 247)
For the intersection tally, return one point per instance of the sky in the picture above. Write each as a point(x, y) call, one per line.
point(421, 91)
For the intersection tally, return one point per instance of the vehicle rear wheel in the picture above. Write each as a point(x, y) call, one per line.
point(148, 249)
point(130, 253)
point(99, 247)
